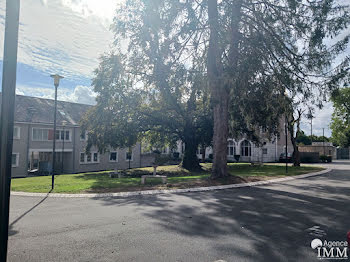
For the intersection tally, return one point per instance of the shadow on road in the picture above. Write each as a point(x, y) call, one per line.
point(11, 230)
point(278, 221)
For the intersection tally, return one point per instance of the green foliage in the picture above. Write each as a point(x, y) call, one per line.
point(282, 51)
point(340, 124)
point(147, 90)
point(319, 138)
point(161, 160)
point(303, 139)
point(155, 84)
point(113, 122)
point(325, 159)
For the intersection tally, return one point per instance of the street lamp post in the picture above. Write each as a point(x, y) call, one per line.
point(56, 79)
point(286, 136)
point(64, 135)
point(7, 117)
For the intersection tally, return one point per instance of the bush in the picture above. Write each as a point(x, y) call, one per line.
point(237, 157)
point(325, 159)
point(161, 160)
point(156, 151)
point(211, 156)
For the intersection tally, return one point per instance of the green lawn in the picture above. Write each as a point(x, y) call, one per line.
point(177, 178)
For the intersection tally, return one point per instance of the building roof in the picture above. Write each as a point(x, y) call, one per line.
point(41, 110)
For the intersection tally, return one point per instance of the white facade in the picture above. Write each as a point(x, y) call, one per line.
point(247, 150)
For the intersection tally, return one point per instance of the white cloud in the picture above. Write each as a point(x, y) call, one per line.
point(63, 36)
point(80, 94)
point(104, 9)
point(83, 95)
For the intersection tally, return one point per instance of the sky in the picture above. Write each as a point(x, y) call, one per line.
point(60, 36)
point(67, 37)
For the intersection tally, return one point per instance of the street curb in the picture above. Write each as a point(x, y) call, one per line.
point(170, 191)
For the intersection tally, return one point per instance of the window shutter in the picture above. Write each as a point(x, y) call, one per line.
point(51, 134)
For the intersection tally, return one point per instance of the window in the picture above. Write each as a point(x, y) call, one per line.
point(16, 132)
point(246, 148)
point(63, 135)
point(95, 157)
point(42, 134)
point(264, 151)
point(89, 158)
point(15, 159)
point(231, 149)
point(113, 157)
point(82, 157)
point(83, 136)
point(128, 156)
point(45, 134)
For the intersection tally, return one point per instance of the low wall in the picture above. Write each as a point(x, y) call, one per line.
point(309, 157)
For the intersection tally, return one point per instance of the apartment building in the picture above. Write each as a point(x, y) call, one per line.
point(33, 140)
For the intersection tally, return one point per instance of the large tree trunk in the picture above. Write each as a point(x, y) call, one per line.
point(190, 160)
point(219, 95)
point(220, 138)
point(296, 154)
point(203, 147)
point(219, 85)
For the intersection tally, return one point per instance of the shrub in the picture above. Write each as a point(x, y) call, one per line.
point(324, 159)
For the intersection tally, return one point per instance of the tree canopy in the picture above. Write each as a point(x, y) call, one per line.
point(178, 65)
point(340, 124)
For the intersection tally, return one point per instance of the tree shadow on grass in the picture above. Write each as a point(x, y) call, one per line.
point(269, 223)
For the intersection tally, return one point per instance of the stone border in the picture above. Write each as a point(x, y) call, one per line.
point(169, 191)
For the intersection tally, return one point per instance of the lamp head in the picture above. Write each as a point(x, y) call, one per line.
point(56, 79)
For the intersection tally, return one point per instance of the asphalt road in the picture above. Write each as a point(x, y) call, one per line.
point(267, 223)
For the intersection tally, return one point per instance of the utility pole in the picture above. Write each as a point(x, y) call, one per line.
point(310, 116)
point(7, 117)
point(324, 151)
point(311, 129)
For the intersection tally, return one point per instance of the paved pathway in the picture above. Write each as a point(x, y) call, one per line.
point(266, 223)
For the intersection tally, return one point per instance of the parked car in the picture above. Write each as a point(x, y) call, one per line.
point(283, 158)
